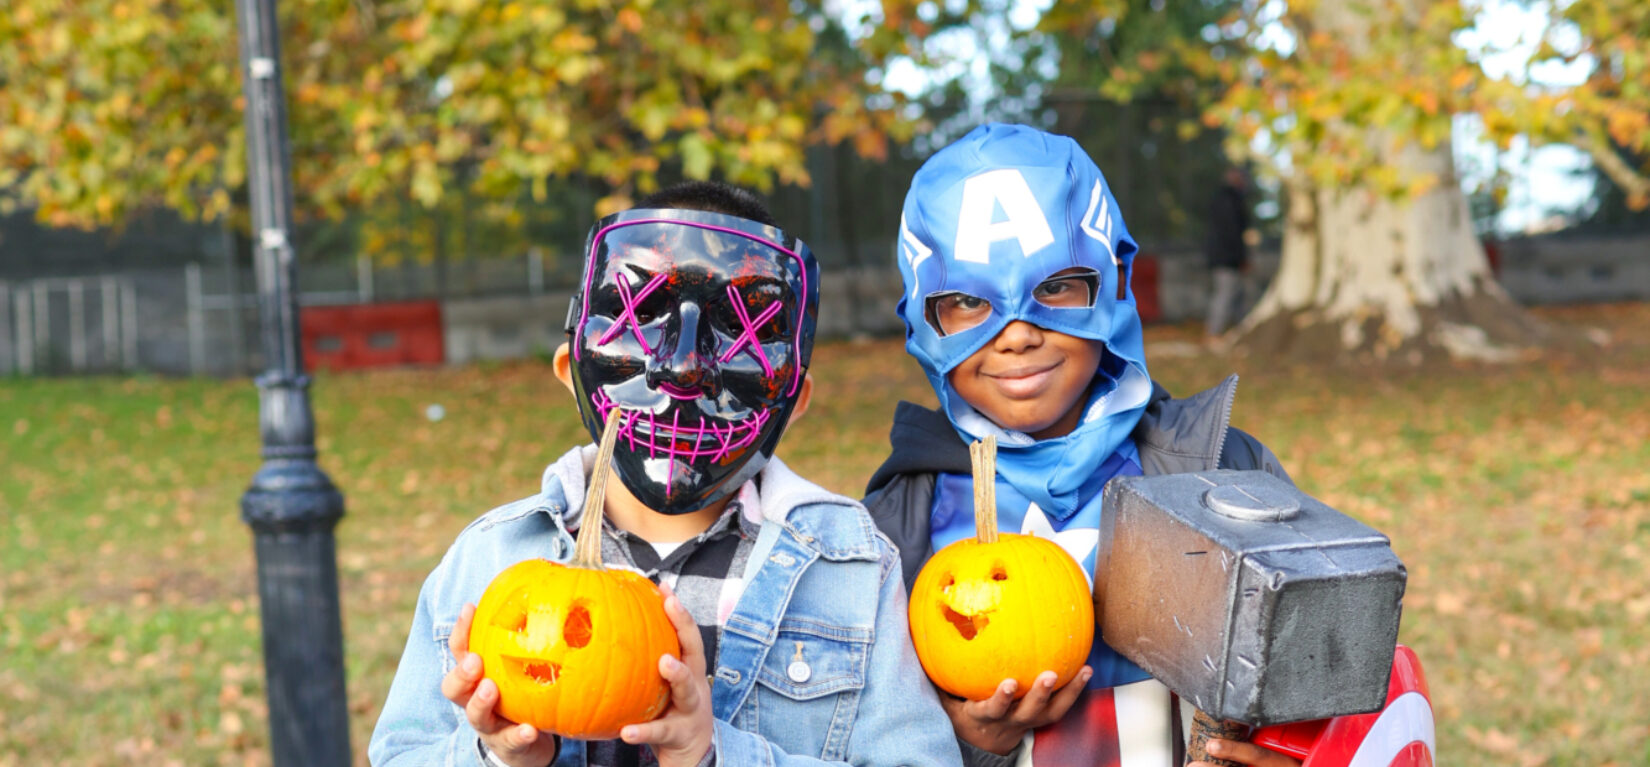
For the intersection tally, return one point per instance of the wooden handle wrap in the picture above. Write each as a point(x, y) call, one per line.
point(1205, 727)
point(983, 456)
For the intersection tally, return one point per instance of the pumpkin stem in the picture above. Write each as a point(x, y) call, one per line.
point(983, 455)
point(587, 550)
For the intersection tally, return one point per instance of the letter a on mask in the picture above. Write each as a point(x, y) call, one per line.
point(977, 230)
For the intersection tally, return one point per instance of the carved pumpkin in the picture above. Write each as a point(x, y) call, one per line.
point(999, 606)
point(574, 649)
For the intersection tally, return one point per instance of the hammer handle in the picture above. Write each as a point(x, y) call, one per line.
point(1205, 727)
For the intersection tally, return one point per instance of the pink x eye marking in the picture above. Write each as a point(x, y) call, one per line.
point(629, 312)
point(748, 335)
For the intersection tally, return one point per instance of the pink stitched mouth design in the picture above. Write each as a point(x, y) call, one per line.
point(681, 441)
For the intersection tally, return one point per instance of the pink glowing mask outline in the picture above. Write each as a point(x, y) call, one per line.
point(590, 277)
point(628, 313)
point(661, 438)
point(748, 335)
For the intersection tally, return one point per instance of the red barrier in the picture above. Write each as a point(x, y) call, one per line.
point(372, 335)
point(1144, 283)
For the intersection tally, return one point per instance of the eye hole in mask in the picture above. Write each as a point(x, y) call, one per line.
point(1073, 288)
point(953, 312)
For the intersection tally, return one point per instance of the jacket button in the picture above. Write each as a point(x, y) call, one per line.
point(799, 672)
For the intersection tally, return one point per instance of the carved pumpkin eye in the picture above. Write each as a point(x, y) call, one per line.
point(576, 629)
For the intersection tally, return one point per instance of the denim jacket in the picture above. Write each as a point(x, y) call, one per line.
point(823, 591)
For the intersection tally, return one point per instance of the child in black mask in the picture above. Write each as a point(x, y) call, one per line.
point(694, 319)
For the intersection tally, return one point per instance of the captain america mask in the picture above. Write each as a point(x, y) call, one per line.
point(1012, 224)
point(698, 327)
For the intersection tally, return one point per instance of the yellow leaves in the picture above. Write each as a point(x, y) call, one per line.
point(1425, 99)
point(574, 69)
point(1463, 77)
point(414, 29)
point(426, 182)
point(697, 157)
point(1625, 124)
point(871, 145)
point(572, 40)
point(612, 203)
point(523, 91)
point(790, 127)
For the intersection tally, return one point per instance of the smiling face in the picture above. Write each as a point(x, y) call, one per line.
point(1026, 378)
point(697, 326)
point(1029, 379)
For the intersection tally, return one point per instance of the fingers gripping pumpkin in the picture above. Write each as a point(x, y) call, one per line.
point(574, 649)
point(999, 606)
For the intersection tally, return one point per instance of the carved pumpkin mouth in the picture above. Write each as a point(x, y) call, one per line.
point(540, 671)
point(968, 605)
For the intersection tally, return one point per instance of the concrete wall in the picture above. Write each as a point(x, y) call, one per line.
point(1566, 270)
point(503, 327)
point(1534, 270)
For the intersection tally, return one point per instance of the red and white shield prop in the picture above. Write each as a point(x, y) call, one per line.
point(1399, 735)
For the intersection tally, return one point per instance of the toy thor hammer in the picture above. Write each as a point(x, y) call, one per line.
point(1249, 599)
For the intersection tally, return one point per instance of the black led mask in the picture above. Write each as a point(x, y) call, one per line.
point(698, 327)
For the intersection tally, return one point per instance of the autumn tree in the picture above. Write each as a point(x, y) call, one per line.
point(1379, 260)
point(1351, 104)
point(107, 106)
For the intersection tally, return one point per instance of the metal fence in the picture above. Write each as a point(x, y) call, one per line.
point(68, 325)
point(202, 318)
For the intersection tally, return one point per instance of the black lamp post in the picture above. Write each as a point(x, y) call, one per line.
point(291, 506)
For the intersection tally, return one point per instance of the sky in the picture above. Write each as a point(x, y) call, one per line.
point(1546, 178)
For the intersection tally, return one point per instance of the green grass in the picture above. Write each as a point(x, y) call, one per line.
point(1518, 496)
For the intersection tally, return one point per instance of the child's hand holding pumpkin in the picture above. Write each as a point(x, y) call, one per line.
point(518, 745)
point(682, 736)
point(998, 723)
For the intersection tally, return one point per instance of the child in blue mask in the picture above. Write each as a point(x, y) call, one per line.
point(1015, 262)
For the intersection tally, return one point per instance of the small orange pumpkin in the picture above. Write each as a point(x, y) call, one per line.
point(574, 649)
point(999, 606)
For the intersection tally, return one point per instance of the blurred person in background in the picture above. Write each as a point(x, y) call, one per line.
point(1227, 248)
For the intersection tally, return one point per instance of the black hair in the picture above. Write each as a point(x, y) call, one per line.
point(712, 197)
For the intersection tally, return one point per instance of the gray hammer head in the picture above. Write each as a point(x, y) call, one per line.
point(1247, 597)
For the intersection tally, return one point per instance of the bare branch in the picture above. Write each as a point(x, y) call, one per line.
point(1634, 183)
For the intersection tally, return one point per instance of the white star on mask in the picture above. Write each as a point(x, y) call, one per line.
point(1079, 542)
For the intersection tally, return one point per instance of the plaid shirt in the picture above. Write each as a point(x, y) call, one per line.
point(707, 574)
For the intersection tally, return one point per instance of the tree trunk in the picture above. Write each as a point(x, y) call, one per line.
point(1364, 278)
point(1367, 279)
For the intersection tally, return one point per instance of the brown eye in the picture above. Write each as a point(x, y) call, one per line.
point(1069, 290)
point(951, 313)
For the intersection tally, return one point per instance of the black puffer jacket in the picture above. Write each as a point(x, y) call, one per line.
point(1174, 436)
